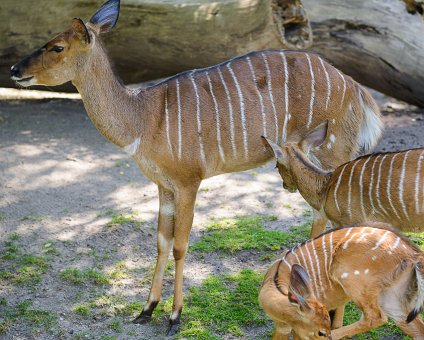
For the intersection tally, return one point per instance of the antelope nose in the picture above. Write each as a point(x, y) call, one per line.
point(14, 71)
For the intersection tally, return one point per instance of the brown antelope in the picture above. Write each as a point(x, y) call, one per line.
point(385, 187)
point(204, 122)
point(380, 271)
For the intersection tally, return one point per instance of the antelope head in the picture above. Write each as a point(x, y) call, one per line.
point(57, 61)
point(312, 320)
point(289, 153)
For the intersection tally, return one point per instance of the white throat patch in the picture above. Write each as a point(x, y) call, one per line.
point(131, 149)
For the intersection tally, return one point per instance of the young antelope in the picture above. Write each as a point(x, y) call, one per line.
point(386, 187)
point(377, 269)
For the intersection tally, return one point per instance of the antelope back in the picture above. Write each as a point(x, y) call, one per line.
point(387, 187)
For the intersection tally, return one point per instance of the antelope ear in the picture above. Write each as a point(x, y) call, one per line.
point(106, 17)
point(300, 287)
point(314, 138)
point(80, 30)
point(273, 148)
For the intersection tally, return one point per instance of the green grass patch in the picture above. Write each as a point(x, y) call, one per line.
point(38, 319)
point(222, 305)
point(89, 275)
point(116, 326)
point(126, 219)
point(417, 238)
point(247, 233)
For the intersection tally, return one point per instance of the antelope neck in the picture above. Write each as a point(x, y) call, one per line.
point(311, 181)
point(116, 111)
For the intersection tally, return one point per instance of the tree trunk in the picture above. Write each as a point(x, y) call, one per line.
point(377, 42)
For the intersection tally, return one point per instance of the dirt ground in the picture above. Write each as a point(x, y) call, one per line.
point(58, 177)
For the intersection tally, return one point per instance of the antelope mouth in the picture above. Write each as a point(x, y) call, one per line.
point(23, 81)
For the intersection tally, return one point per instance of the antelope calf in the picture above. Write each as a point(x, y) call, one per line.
point(377, 269)
point(386, 187)
point(202, 123)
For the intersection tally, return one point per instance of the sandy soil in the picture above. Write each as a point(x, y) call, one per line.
point(58, 176)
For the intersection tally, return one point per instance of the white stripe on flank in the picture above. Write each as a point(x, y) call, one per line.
point(295, 254)
point(344, 86)
point(324, 250)
point(346, 244)
point(230, 111)
point(377, 191)
point(242, 114)
point(311, 104)
point(337, 188)
point(417, 182)
point(331, 256)
point(378, 244)
point(218, 123)
point(261, 101)
point(305, 264)
point(349, 193)
point(396, 243)
point(389, 181)
point(328, 82)
point(402, 176)
point(313, 269)
point(285, 261)
point(271, 97)
point(363, 234)
point(168, 138)
point(179, 119)
point(361, 196)
point(318, 264)
point(199, 124)
point(371, 183)
point(286, 98)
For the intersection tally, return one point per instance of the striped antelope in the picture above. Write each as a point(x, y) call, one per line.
point(204, 122)
point(380, 271)
point(385, 187)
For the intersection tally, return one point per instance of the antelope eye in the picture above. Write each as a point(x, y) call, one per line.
point(320, 333)
point(57, 48)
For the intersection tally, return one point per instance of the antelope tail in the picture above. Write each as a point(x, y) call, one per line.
point(371, 125)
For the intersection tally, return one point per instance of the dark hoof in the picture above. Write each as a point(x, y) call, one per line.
point(142, 318)
point(173, 329)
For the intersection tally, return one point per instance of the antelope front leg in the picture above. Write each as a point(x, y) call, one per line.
point(184, 203)
point(164, 243)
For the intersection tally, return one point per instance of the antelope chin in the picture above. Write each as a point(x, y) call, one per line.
point(25, 82)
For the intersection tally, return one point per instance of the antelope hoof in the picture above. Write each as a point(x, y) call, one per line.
point(174, 326)
point(142, 318)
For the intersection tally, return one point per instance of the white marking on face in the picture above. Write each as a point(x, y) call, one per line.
point(286, 98)
point(337, 188)
point(366, 271)
point(199, 124)
point(334, 121)
point(311, 104)
point(261, 100)
point(271, 97)
point(388, 188)
point(402, 176)
point(230, 111)
point(217, 116)
point(332, 138)
point(328, 83)
point(131, 149)
point(417, 181)
point(344, 275)
point(179, 119)
point(242, 113)
point(356, 272)
point(374, 258)
point(329, 145)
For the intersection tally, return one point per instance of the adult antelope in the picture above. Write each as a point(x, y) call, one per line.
point(204, 122)
point(385, 187)
point(347, 264)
